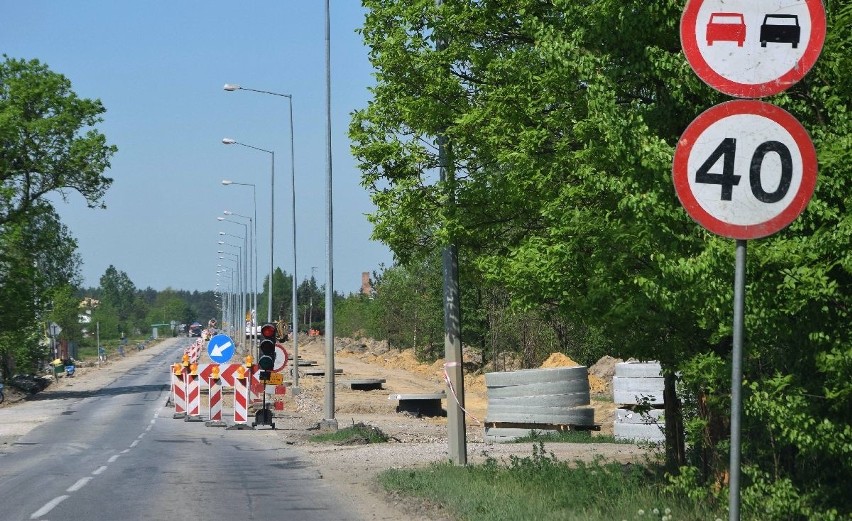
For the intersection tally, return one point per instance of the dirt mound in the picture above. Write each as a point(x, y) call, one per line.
point(605, 367)
point(558, 360)
point(601, 373)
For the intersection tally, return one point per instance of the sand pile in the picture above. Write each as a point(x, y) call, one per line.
point(558, 360)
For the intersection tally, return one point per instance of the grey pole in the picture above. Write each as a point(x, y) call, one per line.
point(295, 319)
point(229, 141)
point(253, 276)
point(249, 240)
point(737, 381)
point(271, 239)
point(311, 306)
point(329, 422)
point(456, 434)
point(232, 87)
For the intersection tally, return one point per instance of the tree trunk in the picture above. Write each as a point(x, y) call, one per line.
point(675, 447)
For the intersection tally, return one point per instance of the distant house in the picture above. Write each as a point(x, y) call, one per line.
point(366, 286)
point(86, 306)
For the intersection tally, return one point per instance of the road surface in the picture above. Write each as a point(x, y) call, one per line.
point(118, 454)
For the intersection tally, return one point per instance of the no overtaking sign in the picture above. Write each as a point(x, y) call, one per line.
point(751, 48)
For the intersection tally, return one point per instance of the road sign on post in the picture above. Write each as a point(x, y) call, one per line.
point(280, 358)
point(220, 348)
point(745, 169)
point(752, 49)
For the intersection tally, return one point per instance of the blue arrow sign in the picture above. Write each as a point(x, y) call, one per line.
point(220, 348)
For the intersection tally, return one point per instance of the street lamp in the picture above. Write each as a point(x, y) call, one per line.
point(227, 182)
point(252, 303)
point(228, 310)
point(240, 288)
point(229, 141)
point(243, 237)
point(231, 87)
point(330, 421)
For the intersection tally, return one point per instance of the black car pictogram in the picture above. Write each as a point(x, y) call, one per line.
point(780, 28)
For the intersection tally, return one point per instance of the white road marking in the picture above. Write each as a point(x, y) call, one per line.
point(48, 507)
point(112, 459)
point(99, 470)
point(80, 484)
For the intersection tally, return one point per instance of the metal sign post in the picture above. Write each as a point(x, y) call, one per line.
point(737, 381)
point(747, 169)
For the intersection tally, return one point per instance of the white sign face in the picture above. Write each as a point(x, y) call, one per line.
point(752, 48)
point(745, 169)
point(280, 358)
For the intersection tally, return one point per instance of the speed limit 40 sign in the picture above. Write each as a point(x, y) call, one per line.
point(745, 169)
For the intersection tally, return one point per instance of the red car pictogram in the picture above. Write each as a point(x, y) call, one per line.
point(726, 27)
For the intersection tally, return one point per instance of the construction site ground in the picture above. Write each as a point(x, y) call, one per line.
point(414, 439)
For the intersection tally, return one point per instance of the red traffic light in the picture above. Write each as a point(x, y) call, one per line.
point(268, 331)
point(266, 360)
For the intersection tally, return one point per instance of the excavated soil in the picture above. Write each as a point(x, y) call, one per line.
point(414, 440)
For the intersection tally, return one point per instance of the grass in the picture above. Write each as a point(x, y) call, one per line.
point(358, 433)
point(540, 487)
point(569, 437)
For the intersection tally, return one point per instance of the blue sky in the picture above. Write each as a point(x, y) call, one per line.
point(159, 68)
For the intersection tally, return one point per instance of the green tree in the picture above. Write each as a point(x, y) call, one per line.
point(119, 293)
point(48, 141)
point(561, 120)
point(409, 299)
point(38, 262)
point(311, 303)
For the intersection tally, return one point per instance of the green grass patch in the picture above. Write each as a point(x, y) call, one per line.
point(357, 434)
point(569, 437)
point(541, 488)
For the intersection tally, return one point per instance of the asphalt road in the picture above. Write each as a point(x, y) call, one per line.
point(118, 454)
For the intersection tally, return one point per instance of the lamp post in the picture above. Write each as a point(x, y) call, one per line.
point(240, 288)
point(227, 182)
point(311, 305)
point(248, 243)
point(244, 238)
point(229, 141)
point(330, 422)
point(228, 308)
point(231, 87)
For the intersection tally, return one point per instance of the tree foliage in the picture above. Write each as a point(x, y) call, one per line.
point(38, 264)
point(561, 118)
point(48, 142)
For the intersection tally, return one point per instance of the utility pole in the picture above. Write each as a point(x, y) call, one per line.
point(456, 434)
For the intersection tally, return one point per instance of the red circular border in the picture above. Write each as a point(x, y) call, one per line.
point(780, 116)
point(746, 90)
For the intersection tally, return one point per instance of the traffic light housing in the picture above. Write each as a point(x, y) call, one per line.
point(266, 359)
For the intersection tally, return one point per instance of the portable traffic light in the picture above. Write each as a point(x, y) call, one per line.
point(266, 361)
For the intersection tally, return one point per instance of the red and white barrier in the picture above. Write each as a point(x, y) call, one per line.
point(179, 393)
point(193, 397)
point(240, 401)
point(193, 351)
point(278, 397)
point(214, 401)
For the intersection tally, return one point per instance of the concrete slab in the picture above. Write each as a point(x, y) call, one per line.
point(420, 404)
point(363, 384)
point(319, 372)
